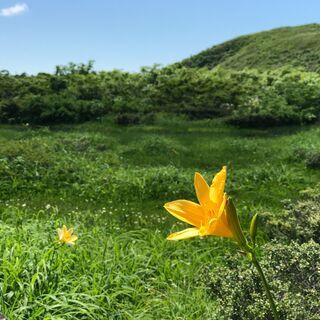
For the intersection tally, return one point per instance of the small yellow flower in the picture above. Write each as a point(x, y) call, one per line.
point(209, 217)
point(66, 236)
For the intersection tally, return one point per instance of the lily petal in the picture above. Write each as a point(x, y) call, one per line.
point(184, 234)
point(221, 228)
point(222, 205)
point(217, 186)
point(186, 211)
point(202, 189)
point(72, 239)
point(60, 233)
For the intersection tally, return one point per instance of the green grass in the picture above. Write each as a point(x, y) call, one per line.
point(295, 46)
point(110, 184)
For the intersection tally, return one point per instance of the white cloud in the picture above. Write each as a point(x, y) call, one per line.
point(14, 10)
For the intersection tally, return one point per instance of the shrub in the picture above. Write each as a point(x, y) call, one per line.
point(307, 151)
point(293, 274)
point(300, 88)
point(49, 109)
point(299, 154)
point(313, 160)
point(148, 118)
point(125, 119)
point(249, 97)
point(298, 221)
point(264, 110)
point(9, 111)
point(197, 93)
point(155, 144)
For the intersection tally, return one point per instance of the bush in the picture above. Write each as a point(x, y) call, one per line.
point(9, 111)
point(264, 110)
point(298, 221)
point(299, 87)
point(250, 98)
point(313, 160)
point(125, 119)
point(148, 118)
point(306, 151)
point(293, 274)
point(154, 144)
point(38, 109)
point(134, 118)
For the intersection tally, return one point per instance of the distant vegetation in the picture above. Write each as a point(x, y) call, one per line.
point(294, 46)
point(76, 93)
point(264, 79)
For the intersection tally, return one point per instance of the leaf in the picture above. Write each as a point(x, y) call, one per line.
point(253, 228)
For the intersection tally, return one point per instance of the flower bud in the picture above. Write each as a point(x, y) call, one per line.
point(253, 229)
point(235, 226)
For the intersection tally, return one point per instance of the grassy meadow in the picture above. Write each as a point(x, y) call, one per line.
point(110, 183)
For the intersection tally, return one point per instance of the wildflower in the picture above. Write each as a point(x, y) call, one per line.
point(66, 236)
point(209, 217)
point(216, 215)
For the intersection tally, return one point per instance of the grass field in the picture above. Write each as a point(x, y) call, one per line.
point(110, 183)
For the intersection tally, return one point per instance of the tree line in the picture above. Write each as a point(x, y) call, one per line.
point(76, 93)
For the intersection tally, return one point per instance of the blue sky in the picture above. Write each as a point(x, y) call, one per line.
point(36, 35)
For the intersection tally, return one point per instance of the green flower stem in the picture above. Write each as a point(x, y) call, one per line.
point(266, 286)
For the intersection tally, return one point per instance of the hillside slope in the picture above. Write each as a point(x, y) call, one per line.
point(296, 46)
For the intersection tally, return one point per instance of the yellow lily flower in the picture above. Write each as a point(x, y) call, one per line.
point(209, 217)
point(66, 236)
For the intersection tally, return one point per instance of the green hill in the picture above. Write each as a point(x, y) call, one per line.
point(296, 46)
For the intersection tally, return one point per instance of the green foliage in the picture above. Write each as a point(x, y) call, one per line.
point(111, 273)
point(272, 94)
point(307, 153)
point(295, 46)
point(248, 98)
point(253, 229)
point(303, 148)
point(125, 119)
point(313, 160)
point(73, 68)
point(299, 221)
point(283, 96)
point(153, 145)
point(197, 93)
point(292, 272)
point(100, 161)
point(110, 183)
point(265, 109)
